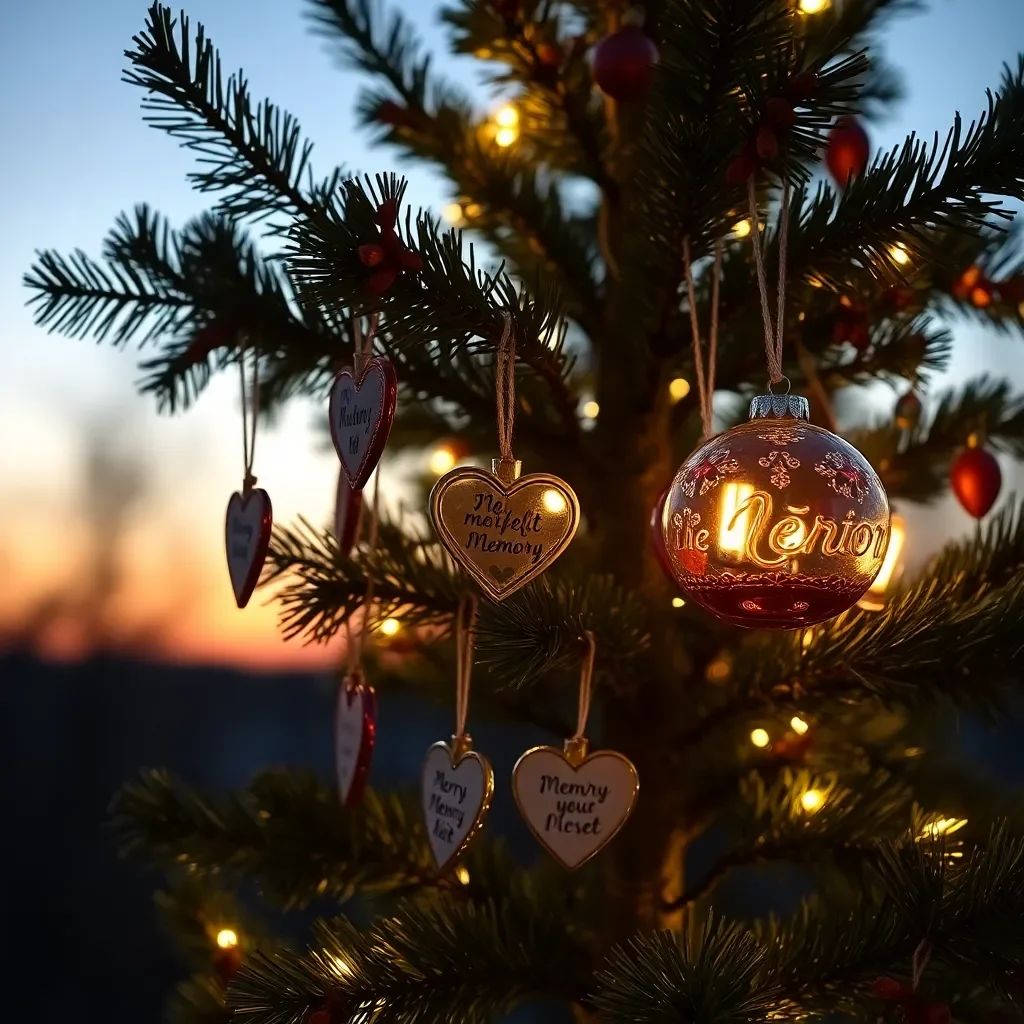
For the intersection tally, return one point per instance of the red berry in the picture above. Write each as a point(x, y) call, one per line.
point(887, 988)
point(937, 1013)
point(371, 254)
point(802, 86)
point(780, 112)
point(847, 150)
point(319, 1017)
point(623, 62)
point(976, 478)
point(767, 143)
point(548, 55)
point(742, 167)
point(981, 295)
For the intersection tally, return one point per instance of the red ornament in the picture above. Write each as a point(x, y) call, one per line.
point(658, 539)
point(347, 504)
point(976, 478)
point(847, 150)
point(206, 339)
point(549, 55)
point(355, 731)
point(851, 326)
point(907, 413)
point(389, 257)
point(967, 282)
point(890, 989)
point(226, 962)
point(623, 62)
point(981, 295)
point(776, 523)
point(247, 527)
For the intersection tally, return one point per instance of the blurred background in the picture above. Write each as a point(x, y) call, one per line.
point(120, 642)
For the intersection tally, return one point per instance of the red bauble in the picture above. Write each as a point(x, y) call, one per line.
point(777, 523)
point(657, 537)
point(890, 989)
point(623, 62)
point(226, 962)
point(847, 150)
point(976, 478)
point(907, 413)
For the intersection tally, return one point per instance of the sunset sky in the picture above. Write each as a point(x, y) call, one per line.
point(77, 153)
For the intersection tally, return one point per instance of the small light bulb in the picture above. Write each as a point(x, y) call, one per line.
point(741, 228)
point(678, 602)
point(227, 938)
point(590, 410)
point(679, 389)
point(507, 116)
point(813, 6)
point(811, 800)
point(899, 254)
point(454, 214)
point(506, 136)
point(462, 874)
point(798, 725)
point(760, 738)
point(442, 459)
point(389, 627)
point(553, 501)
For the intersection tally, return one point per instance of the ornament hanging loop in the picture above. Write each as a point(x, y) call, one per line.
point(782, 379)
point(362, 346)
point(505, 394)
point(465, 637)
point(357, 641)
point(250, 413)
point(576, 746)
point(772, 330)
point(705, 377)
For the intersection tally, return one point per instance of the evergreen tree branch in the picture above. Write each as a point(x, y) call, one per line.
point(287, 833)
point(256, 157)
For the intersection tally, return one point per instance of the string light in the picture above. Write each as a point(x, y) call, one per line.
point(814, 6)
point(454, 214)
point(590, 410)
point(741, 228)
point(679, 389)
point(874, 599)
point(507, 120)
point(227, 938)
point(389, 627)
point(899, 254)
point(553, 501)
point(811, 800)
point(442, 458)
point(807, 639)
point(760, 738)
point(719, 670)
point(678, 602)
point(798, 725)
point(462, 874)
point(942, 827)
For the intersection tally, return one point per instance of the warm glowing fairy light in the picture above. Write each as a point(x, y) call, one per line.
point(798, 725)
point(814, 6)
point(899, 254)
point(389, 627)
point(505, 137)
point(462, 874)
point(227, 938)
point(741, 228)
point(874, 599)
point(442, 459)
point(760, 738)
point(590, 410)
point(942, 827)
point(553, 501)
point(811, 800)
point(454, 214)
point(678, 602)
point(507, 116)
point(733, 524)
point(679, 389)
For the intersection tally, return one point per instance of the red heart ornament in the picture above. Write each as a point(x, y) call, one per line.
point(362, 411)
point(247, 537)
point(355, 731)
point(347, 504)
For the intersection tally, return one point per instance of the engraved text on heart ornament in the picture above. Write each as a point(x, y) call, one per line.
point(503, 532)
point(574, 803)
point(355, 730)
point(458, 784)
point(247, 536)
point(362, 411)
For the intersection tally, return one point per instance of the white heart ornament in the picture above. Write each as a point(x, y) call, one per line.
point(362, 411)
point(574, 806)
point(457, 788)
point(355, 731)
point(503, 534)
point(247, 529)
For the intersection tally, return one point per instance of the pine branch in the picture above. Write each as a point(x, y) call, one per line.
point(443, 959)
point(198, 999)
point(257, 157)
point(287, 833)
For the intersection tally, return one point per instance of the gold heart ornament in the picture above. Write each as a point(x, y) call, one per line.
point(457, 787)
point(503, 529)
point(574, 803)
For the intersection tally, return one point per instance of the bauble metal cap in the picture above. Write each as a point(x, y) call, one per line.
point(776, 407)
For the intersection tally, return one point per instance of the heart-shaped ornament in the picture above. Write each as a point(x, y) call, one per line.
point(362, 411)
point(355, 730)
point(503, 534)
point(347, 504)
point(574, 804)
point(458, 784)
point(247, 537)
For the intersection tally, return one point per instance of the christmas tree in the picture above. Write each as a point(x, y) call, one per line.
point(652, 207)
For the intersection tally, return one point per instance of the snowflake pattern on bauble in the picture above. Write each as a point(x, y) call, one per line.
point(843, 477)
point(781, 463)
point(710, 472)
point(782, 435)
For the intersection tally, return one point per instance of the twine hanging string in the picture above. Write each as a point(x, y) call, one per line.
point(465, 637)
point(250, 413)
point(772, 332)
point(357, 641)
point(586, 679)
point(505, 389)
point(705, 377)
point(921, 957)
point(363, 346)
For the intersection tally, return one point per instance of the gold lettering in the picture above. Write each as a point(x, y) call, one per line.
point(860, 541)
point(845, 534)
point(881, 536)
point(786, 529)
point(821, 524)
point(761, 501)
point(677, 522)
point(701, 540)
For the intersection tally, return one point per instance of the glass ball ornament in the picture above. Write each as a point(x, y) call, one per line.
point(776, 523)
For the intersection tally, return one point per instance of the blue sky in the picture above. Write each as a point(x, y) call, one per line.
point(77, 153)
